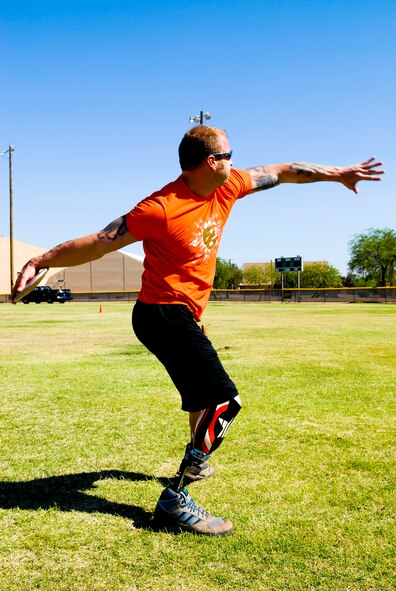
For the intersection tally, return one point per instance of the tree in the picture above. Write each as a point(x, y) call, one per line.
point(317, 275)
point(259, 275)
point(373, 256)
point(227, 276)
point(320, 275)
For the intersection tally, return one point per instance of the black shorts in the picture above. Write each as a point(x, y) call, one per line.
point(171, 333)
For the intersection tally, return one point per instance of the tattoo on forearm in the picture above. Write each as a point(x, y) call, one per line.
point(307, 170)
point(263, 179)
point(114, 230)
point(63, 245)
point(53, 251)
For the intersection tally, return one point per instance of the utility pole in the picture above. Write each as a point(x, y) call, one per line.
point(9, 152)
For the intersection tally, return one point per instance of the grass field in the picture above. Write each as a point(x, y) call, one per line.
point(91, 429)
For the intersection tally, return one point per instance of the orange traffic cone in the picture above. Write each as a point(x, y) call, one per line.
point(100, 309)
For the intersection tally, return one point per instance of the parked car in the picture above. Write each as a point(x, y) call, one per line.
point(44, 293)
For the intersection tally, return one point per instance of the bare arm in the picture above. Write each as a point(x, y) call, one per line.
point(266, 177)
point(78, 251)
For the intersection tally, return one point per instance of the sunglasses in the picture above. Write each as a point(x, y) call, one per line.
point(222, 155)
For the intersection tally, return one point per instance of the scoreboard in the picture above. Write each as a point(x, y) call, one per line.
point(287, 264)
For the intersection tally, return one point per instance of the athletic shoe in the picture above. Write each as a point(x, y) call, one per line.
point(176, 512)
point(198, 466)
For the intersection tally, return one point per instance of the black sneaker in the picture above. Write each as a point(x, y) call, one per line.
point(198, 469)
point(176, 511)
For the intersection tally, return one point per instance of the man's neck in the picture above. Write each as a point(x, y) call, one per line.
point(198, 184)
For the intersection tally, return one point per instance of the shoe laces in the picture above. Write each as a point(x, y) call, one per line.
point(197, 510)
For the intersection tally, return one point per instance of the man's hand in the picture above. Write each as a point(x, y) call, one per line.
point(365, 171)
point(27, 273)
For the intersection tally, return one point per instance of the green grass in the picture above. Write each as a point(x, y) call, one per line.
point(91, 429)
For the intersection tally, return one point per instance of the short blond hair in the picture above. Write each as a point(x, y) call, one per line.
point(198, 143)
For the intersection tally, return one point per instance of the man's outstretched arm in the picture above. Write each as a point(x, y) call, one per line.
point(78, 251)
point(266, 177)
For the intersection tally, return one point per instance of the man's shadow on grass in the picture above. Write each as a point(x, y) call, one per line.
point(66, 493)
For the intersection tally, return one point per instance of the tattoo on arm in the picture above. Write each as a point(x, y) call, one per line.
point(53, 251)
point(114, 230)
point(306, 170)
point(263, 179)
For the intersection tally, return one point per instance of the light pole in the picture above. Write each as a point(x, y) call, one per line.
point(200, 118)
point(9, 152)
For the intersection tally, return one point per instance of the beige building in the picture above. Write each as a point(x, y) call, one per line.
point(117, 271)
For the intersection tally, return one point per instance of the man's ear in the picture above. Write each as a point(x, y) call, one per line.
point(211, 160)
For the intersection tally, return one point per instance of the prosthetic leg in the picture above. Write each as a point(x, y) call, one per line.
point(210, 430)
point(176, 510)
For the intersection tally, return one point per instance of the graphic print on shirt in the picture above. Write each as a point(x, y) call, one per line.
point(207, 236)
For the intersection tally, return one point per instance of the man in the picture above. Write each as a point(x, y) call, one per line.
point(181, 226)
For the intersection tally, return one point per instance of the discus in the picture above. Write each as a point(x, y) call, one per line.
point(30, 285)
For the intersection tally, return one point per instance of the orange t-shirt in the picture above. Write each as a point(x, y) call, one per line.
point(181, 233)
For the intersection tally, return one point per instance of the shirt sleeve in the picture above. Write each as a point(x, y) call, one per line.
point(241, 182)
point(146, 219)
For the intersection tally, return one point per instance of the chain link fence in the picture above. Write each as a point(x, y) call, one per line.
point(380, 295)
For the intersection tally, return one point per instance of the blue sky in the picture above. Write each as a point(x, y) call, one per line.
point(96, 95)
